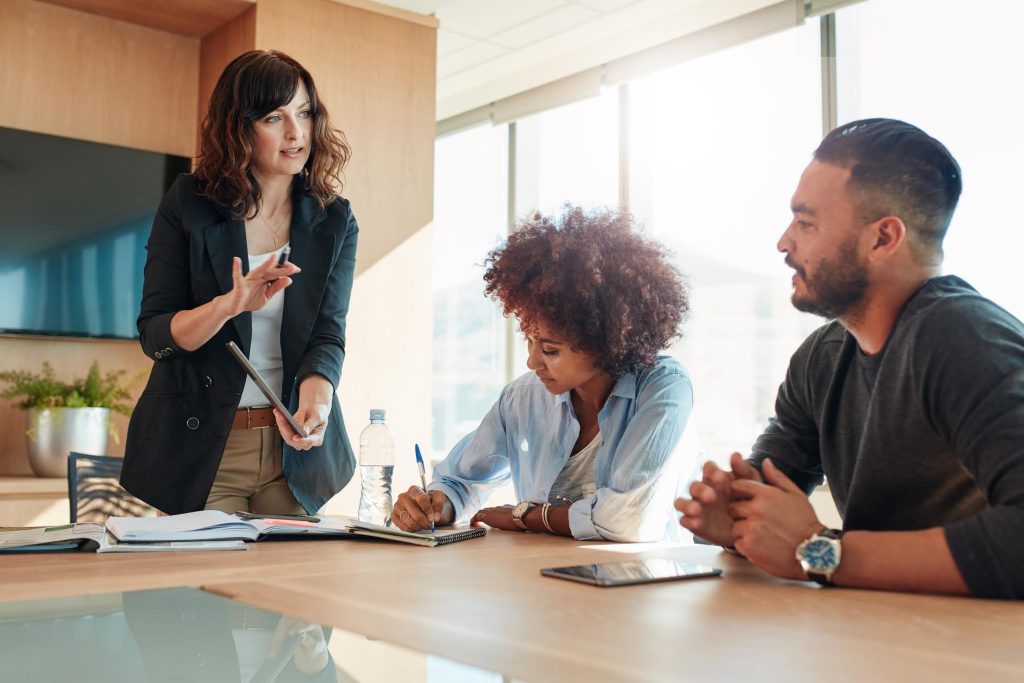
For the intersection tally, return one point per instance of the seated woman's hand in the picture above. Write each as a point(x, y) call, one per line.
point(496, 518)
point(414, 509)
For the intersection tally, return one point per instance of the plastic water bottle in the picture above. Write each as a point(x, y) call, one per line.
point(376, 463)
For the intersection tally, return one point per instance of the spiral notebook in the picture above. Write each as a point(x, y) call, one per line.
point(439, 537)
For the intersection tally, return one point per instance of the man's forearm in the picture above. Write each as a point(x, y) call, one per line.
point(918, 561)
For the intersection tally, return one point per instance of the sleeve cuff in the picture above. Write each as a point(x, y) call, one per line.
point(581, 521)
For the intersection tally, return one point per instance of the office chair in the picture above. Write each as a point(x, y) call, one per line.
point(94, 492)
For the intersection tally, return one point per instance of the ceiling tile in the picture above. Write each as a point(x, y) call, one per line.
point(484, 18)
point(475, 54)
point(450, 41)
point(566, 17)
point(606, 5)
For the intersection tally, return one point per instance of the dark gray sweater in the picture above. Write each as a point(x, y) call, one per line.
point(928, 432)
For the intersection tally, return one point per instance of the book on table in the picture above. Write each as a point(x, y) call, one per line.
point(92, 537)
point(209, 525)
point(213, 525)
point(84, 536)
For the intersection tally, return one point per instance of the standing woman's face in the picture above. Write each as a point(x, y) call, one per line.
point(283, 138)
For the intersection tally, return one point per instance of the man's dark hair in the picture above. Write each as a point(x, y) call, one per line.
point(897, 169)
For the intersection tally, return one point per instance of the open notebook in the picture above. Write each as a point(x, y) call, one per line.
point(91, 537)
point(390, 533)
point(213, 525)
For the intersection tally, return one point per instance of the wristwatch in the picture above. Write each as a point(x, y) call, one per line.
point(519, 511)
point(820, 555)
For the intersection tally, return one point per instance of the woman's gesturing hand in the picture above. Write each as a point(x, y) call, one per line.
point(252, 291)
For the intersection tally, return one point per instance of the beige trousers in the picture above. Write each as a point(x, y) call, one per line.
point(250, 478)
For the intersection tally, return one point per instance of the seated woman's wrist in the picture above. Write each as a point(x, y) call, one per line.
point(532, 518)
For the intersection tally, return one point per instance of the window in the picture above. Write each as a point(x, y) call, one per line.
point(569, 154)
point(717, 146)
point(470, 217)
point(951, 68)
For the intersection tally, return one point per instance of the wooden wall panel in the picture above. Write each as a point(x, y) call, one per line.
point(195, 18)
point(376, 75)
point(83, 76)
point(217, 50)
point(88, 77)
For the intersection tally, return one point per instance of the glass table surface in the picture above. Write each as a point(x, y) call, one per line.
point(184, 634)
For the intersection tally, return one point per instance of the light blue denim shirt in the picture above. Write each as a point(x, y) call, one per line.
point(528, 436)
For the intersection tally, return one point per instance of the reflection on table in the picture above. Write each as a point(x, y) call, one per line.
point(183, 634)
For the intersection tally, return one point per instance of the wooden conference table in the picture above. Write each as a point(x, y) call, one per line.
point(484, 603)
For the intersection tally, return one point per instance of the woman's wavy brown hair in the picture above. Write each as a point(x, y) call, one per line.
point(253, 85)
point(593, 277)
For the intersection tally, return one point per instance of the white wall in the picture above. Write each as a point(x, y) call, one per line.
point(389, 357)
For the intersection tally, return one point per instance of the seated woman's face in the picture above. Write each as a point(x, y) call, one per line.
point(559, 367)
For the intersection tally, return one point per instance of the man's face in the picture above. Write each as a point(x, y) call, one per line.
point(823, 244)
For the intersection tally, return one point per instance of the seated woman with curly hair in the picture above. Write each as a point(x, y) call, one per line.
point(591, 438)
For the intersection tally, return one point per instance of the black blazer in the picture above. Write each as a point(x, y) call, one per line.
point(181, 423)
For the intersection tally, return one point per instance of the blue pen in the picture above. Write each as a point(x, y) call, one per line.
point(423, 476)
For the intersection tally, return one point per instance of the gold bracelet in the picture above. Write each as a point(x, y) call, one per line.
point(544, 517)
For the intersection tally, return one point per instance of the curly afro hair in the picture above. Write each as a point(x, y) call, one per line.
point(592, 276)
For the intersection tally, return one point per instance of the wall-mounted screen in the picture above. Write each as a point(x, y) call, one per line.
point(74, 220)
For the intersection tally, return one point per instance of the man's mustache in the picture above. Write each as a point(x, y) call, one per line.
point(798, 269)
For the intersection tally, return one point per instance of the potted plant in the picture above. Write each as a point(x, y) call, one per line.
point(63, 417)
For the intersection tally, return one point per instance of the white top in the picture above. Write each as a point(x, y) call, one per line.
point(576, 480)
point(265, 350)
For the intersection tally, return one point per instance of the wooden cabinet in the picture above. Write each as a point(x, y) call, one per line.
point(33, 501)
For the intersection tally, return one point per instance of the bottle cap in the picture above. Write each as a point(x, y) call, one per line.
point(377, 414)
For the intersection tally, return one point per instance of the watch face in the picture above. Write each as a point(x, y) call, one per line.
point(820, 555)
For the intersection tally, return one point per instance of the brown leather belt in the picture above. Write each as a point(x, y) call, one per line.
point(253, 418)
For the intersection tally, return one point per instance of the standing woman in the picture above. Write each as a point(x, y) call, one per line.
point(267, 176)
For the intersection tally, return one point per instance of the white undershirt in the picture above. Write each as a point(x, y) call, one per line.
point(265, 349)
point(576, 480)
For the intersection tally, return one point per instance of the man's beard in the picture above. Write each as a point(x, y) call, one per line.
point(837, 289)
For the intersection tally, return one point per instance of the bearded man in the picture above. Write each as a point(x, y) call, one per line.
point(910, 402)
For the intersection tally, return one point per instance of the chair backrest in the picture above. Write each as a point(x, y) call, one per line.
point(95, 492)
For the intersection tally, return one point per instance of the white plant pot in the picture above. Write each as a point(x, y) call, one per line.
point(54, 432)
